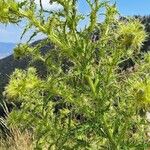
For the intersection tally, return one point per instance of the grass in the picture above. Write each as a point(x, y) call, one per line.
point(17, 141)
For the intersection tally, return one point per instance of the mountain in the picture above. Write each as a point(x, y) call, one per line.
point(6, 49)
point(9, 64)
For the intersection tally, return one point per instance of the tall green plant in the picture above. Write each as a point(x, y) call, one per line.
point(86, 102)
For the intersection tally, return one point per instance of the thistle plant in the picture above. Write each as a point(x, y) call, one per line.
point(84, 102)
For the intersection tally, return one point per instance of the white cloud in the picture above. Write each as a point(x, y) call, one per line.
point(47, 5)
point(9, 33)
point(4, 31)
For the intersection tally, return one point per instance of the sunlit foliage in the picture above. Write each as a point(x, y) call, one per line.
point(88, 103)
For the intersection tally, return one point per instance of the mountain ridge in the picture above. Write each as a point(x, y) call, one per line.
point(9, 64)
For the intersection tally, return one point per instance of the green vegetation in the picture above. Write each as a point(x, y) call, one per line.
point(85, 101)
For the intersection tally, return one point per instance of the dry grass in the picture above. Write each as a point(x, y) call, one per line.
point(18, 141)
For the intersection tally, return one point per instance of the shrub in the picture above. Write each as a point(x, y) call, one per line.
point(86, 102)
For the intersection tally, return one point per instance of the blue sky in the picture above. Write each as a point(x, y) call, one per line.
point(132, 7)
point(11, 33)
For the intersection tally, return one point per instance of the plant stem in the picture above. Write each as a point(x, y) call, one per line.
point(106, 129)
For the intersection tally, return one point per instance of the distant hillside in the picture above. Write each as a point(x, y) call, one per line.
point(8, 65)
point(6, 49)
